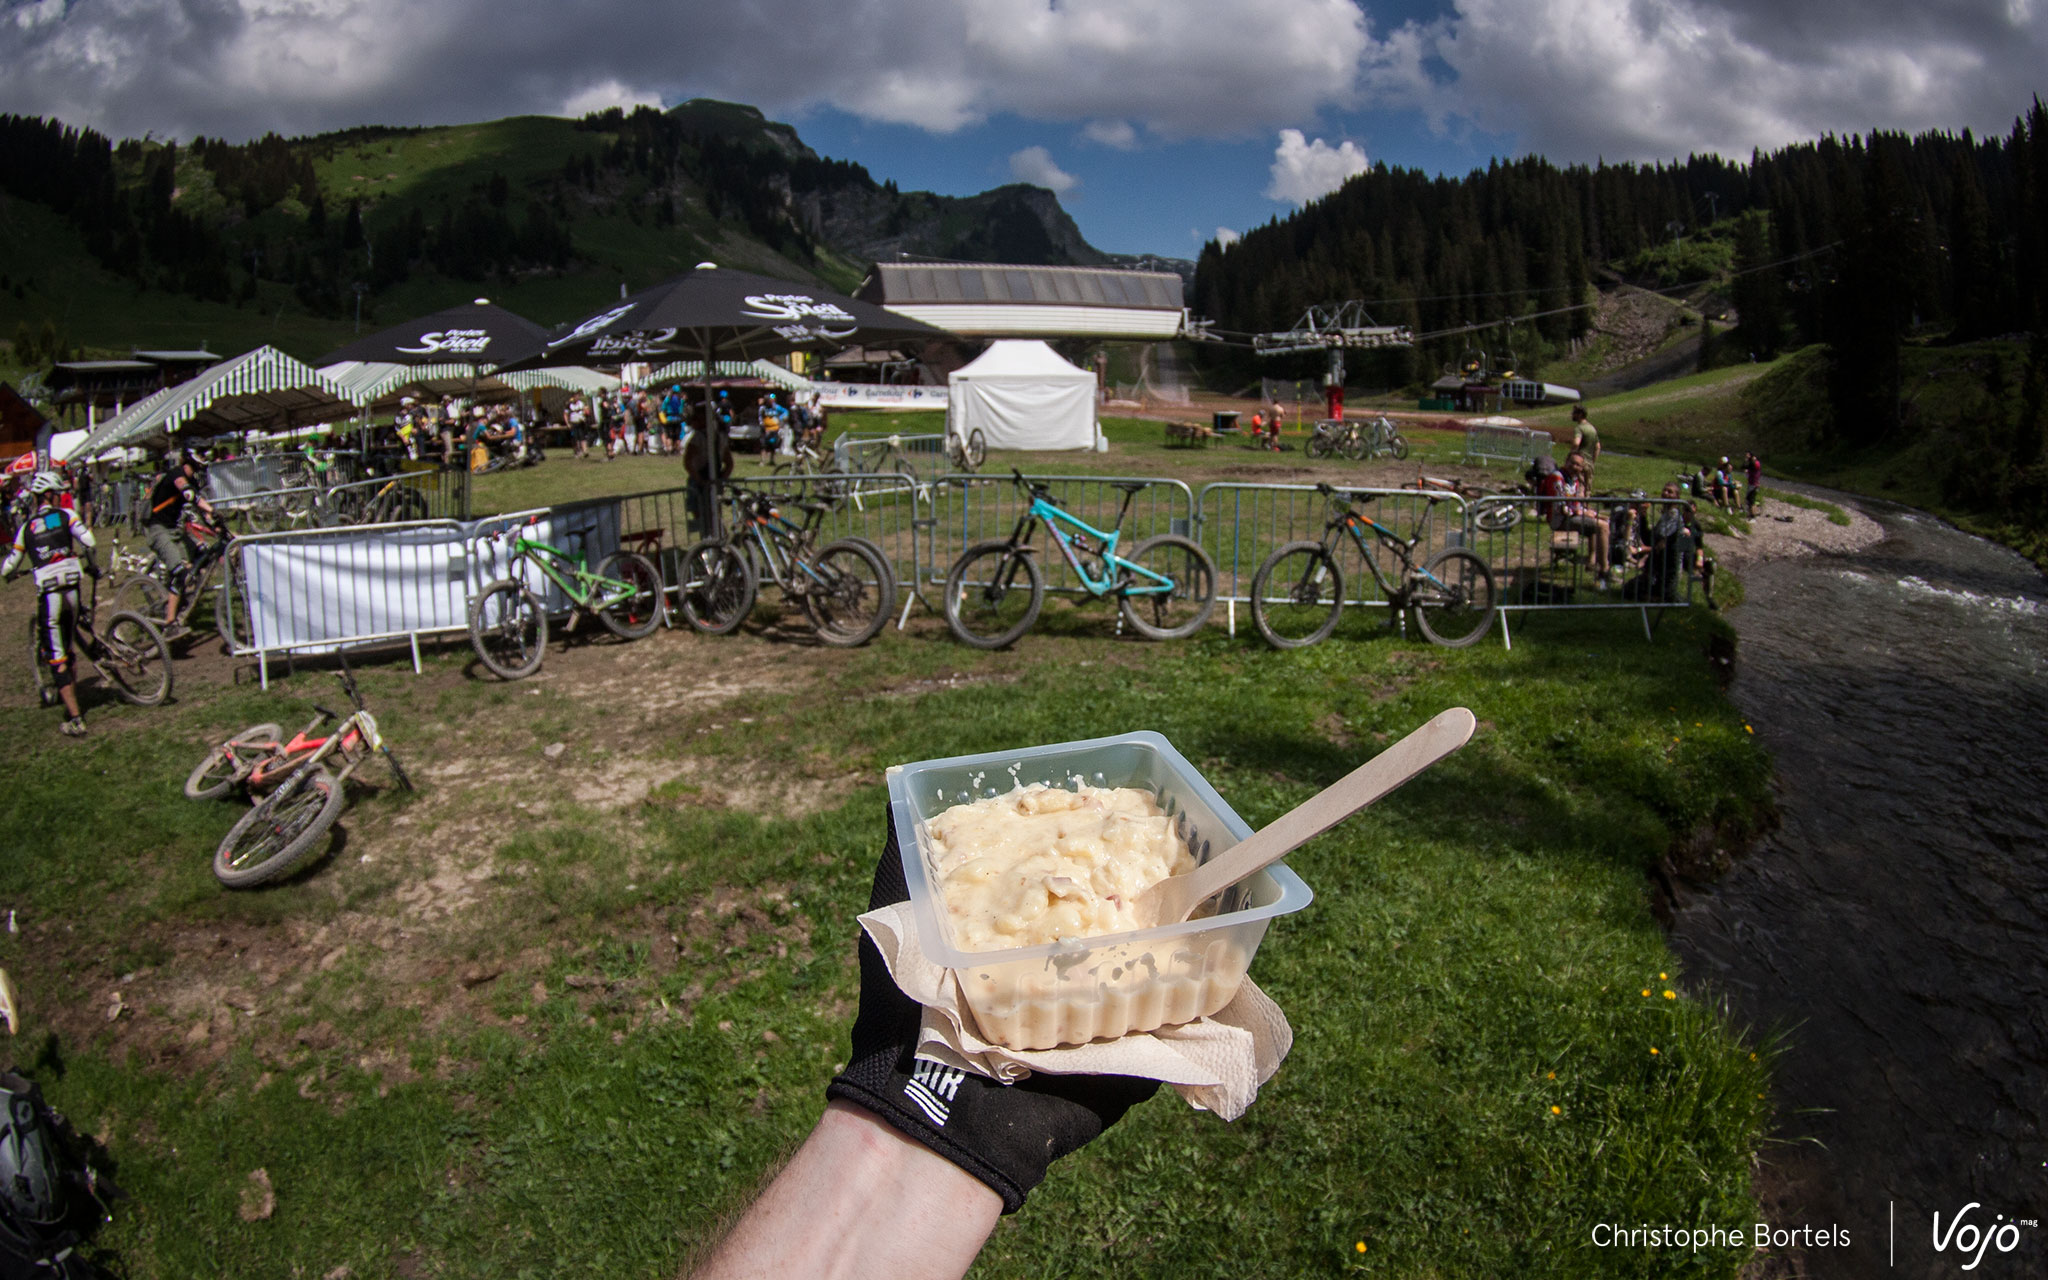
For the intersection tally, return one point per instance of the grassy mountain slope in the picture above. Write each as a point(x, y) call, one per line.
point(547, 216)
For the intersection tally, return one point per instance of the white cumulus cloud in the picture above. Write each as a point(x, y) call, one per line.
point(1225, 237)
point(1304, 170)
point(606, 94)
point(1111, 133)
point(1035, 166)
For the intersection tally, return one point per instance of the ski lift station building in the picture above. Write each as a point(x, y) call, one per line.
point(985, 300)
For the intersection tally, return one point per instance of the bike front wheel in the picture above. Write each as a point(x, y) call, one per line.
point(1398, 447)
point(1181, 609)
point(977, 449)
point(718, 587)
point(232, 761)
point(508, 629)
point(137, 660)
point(637, 611)
point(141, 594)
point(1453, 598)
point(993, 594)
point(1319, 446)
point(279, 833)
point(853, 594)
point(1297, 595)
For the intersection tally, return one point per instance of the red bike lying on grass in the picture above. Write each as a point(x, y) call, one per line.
point(285, 827)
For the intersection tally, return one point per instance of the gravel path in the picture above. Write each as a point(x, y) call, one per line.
point(1782, 530)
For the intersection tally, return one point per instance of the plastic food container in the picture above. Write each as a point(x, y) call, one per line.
point(1077, 990)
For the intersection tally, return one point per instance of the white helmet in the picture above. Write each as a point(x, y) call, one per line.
point(46, 482)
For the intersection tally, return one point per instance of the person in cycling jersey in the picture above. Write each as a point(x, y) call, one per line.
point(52, 542)
point(164, 525)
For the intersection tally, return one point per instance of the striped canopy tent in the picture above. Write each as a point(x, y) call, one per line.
point(766, 370)
point(264, 389)
point(553, 387)
point(379, 386)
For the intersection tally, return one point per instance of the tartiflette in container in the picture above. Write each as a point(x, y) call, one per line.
point(1076, 990)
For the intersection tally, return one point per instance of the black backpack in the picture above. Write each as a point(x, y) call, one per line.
point(50, 1197)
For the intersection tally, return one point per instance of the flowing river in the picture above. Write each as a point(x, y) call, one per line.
point(1895, 926)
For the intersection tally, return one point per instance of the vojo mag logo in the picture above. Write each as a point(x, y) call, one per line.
point(467, 342)
point(1970, 1239)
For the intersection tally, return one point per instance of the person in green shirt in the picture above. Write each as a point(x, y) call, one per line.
point(1585, 439)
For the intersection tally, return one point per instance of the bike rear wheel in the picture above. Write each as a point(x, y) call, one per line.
point(1175, 613)
point(1319, 446)
point(986, 605)
point(508, 629)
point(1453, 598)
point(1398, 447)
point(137, 660)
point(638, 612)
point(232, 761)
point(280, 832)
point(1297, 595)
point(1495, 517)
point(977, 449)
point(718, 587)
point(854, 595)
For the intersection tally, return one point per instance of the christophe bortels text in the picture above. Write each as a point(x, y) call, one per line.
point(1612, 1235)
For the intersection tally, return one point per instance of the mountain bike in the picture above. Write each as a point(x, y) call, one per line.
point(805, 464)
point(1331, 437)
point(395, 501)
point(846, 589)
point(1491, 511)
point(508, 626)
point(967, 454)
point(127, 652)
point(259, 757)
point(148, 593)
point(1165, 589)
point(285, 826)
point(1298, 592)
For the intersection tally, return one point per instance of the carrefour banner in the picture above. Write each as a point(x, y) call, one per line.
point(876, 395)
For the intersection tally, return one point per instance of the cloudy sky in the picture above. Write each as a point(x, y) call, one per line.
point(1161, 123)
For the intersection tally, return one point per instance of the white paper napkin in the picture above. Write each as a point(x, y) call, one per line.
point(1217, 1063)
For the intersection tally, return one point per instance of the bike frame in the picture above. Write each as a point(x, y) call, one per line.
point(1043, 509)
point(1358, 523)
point(585, 588)
point(780, 540)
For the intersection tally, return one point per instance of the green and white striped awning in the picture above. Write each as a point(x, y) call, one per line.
point(765, 370)
point(588, 381)
point(378, 385)
point(261, 389)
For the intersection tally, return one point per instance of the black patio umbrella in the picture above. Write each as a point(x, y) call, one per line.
point(713, 314)
point(480, 334)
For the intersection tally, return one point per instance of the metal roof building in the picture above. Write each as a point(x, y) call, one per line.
point(993, 300)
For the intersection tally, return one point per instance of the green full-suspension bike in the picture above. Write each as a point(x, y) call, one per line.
point(508, 625)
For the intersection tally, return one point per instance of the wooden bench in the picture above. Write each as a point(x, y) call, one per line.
point(1188, 435)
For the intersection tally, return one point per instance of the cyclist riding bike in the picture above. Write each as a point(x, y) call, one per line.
point(164, 525)
point(53, 541)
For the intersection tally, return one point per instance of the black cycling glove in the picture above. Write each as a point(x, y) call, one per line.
point(1005, 1135)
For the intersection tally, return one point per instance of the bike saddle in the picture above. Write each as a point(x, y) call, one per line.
point(1128, 486)
point(331, 715)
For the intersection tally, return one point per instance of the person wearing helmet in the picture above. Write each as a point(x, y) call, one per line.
point(52, 542)
point(174, 490)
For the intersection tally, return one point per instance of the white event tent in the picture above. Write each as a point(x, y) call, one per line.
point(1020, 395)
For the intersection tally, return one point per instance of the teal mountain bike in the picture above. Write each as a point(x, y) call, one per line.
point(1165, 588)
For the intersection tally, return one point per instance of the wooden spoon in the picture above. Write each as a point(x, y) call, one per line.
point(1173, 899)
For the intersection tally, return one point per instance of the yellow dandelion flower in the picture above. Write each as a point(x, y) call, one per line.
point(1551, 1076)
point(1663, 977)
point(1360, 1246)
point(1653, 1051)
point(1747, 729)
point(1557, 1111)
point(1646, 991)
point(1671, 995)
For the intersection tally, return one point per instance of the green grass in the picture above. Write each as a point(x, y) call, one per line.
point(1834, 513)
point(1475, 958)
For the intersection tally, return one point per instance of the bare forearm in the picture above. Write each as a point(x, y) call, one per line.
point(860, 1199)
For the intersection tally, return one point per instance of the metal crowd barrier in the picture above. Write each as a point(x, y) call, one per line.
point(1243, 524)
point(383, 567)
point(923, 456)
point(435, 495)
point(1540, 569)
point(1521, 445)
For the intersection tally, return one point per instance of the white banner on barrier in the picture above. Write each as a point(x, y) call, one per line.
point(324, 591)
point(876, 395)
